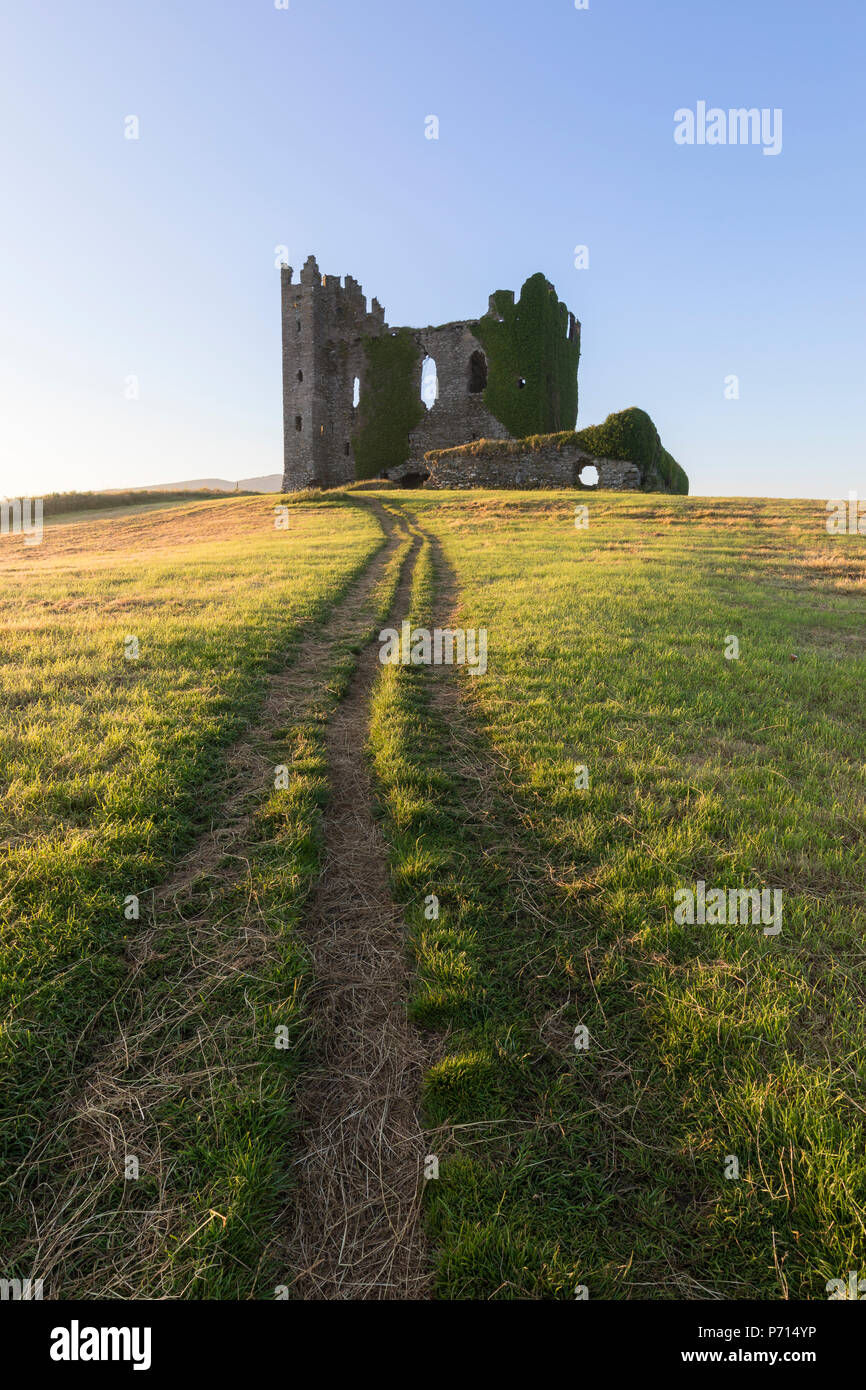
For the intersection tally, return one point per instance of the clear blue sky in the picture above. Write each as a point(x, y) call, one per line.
point(304, 127)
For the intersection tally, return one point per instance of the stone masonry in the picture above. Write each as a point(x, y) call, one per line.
point(459, 414)
point(550, 466)
point(324, 324)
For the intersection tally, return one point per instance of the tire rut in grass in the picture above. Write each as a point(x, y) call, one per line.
point(84, 1239)
point(577, 1127)
point(355, 1229)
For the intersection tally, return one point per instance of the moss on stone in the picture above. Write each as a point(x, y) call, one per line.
point(480, 448)
point(390, 406)
point(629, 436)
point(532, 361)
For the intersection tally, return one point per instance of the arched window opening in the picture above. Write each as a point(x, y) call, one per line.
point(356, 392)
point(299, 423)
point(300, 376)
point(477, 373)
point(429, 383)
point(588, 475)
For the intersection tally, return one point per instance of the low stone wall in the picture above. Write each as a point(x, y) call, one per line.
point(546, 467)
point(410, 474)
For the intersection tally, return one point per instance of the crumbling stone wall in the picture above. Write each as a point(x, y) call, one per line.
point(459, 414)
point(548, 466)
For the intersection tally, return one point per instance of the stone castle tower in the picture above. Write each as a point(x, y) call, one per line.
point(324, 324)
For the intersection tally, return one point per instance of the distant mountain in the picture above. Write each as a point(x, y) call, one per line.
point(272, 482)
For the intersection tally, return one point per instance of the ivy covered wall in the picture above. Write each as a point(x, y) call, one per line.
point(544, 460)
point(532, 360)
point(630, 434)
point(390, 405)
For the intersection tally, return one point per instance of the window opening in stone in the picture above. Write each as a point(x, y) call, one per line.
point(429, 383)
point(477, 373)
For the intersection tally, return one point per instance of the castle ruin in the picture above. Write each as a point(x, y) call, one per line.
point(336, 383)
point(359, 400)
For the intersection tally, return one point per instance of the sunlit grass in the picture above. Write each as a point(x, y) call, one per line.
point(606, 1167)
point(110, 766)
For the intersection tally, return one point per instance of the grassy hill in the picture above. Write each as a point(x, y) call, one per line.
point(615, 1099)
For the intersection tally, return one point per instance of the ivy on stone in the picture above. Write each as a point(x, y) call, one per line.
point(630, 434)
point(390, 406)
point(532, 362)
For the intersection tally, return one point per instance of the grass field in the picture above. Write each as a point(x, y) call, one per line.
point(704, 1139)
point(111, 767)
point(605, 1167)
